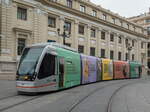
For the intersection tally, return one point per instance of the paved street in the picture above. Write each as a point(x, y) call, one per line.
point(117, 96)
point(7, 88)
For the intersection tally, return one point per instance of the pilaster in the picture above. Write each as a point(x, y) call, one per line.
point(88, 36)
point(75, 35)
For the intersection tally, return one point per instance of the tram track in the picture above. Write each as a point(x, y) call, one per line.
point(6, 97)
point(30, 98)
point(27, 99)
point(17, 103)
point(98, 89)
point(114, 94)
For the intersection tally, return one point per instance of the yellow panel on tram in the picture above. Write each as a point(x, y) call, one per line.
point(107, 69)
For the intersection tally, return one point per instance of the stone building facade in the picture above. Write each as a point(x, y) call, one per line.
point(92, 30)
point(144, 20)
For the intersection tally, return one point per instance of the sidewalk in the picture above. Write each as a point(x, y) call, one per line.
point(7, 88)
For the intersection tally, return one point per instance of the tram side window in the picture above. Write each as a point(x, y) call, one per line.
point(47, 67)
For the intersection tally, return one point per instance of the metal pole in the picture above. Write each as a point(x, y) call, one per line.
point(129, 54)
point(64, 37)
point(64, 40)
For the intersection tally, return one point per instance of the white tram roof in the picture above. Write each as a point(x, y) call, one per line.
point(55, 45)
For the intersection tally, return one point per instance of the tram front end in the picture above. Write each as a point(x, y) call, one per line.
point(36, 70)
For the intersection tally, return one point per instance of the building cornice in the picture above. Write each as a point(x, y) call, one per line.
point(108, 12)
point(139, 18)
point(22, 30)
point(87, 16)
point(24, 2)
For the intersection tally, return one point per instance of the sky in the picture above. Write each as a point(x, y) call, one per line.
point(125, 8)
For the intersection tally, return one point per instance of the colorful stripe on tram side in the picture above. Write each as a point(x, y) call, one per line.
point(121, 70)
point(69, 68)
point(82, 69)
point(91, 69)
point(107, 69)
point(135, 69)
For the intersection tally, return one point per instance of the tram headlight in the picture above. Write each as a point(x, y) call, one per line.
point(26, 78)
point(17, 77)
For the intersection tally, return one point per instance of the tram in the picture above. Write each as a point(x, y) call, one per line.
point(51, 67)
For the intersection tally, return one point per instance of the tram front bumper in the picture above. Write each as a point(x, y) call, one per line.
point(26, 86)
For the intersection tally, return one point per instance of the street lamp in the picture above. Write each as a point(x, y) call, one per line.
point(64, 34)
point(129, 48)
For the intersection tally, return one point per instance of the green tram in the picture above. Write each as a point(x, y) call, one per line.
point(135, 69)
point(52, 67)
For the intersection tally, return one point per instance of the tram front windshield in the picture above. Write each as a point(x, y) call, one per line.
point(29, 60)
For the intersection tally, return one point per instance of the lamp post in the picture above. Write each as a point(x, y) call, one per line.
point(64, 34)
point(129, 48)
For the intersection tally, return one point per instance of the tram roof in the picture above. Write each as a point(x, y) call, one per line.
point(55, 45)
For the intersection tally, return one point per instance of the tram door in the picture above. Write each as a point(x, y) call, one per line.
point(61, 72)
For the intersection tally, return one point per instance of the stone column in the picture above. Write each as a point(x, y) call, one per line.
point(88, 36)
point(116, 46)
point(98, 42)
point(139, 50)
point(75, 35)
point(107, 55)
point(136, 49)
point(6, 32)
point(61, 27)
point(36, 26)
point(123, 48)
point(145, 52)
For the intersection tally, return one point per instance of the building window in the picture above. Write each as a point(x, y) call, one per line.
point(113, 20)
point(127, 26)
point(111, 54)
point(52, 22)
point(133, 43)
point(102, 53)
point(134, 28)
point(121, 23)
point(142, 45)
point(104, 17)
point(81, 29)
point(94, 13)
point(111, 37)
point(119, 55)
point(148, 45)
point(69, 3)
point(0, 45)
point(132, 57)
point(81, 49)
point(67, 44)
point(82, 8)
point(103, 35)
point(68, 26)
point(148, 30)
point(148, 64)
point(147, 20)
point(93, 32)
point(126, 42)
point(21, 45)
point(92, 51)
point(22, 13)
point(148, 53)
point(119, 40)
point(126, 56)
